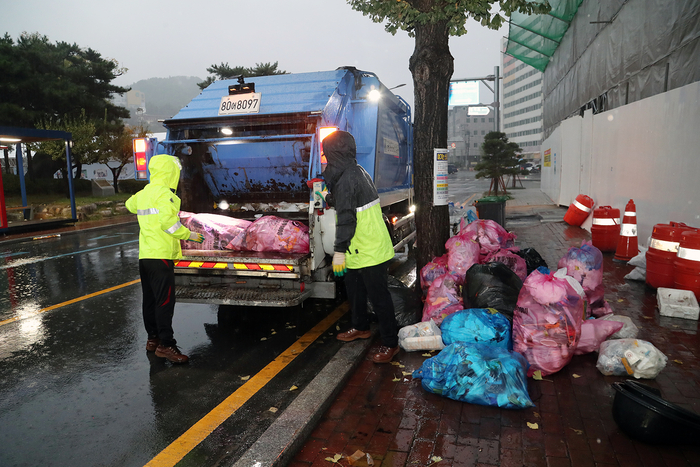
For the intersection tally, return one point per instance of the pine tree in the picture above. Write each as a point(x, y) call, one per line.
point(499, 157)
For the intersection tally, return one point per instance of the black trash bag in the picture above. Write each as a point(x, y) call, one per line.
point(408, 308)
point(492, 285)
point(533, 260)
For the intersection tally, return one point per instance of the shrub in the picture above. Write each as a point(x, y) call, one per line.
point(131, 186)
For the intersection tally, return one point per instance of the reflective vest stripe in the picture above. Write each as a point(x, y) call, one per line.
point(629, 230)
point(174, 227)
point(664, 245)
point(689, 254)
point(582, 207)
point(368, 205)
point(598, 221)
point(146, 212)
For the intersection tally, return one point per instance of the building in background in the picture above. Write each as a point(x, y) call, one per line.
point(521, 105)
point(465, 133)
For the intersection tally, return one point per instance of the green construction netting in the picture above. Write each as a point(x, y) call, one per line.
point(534, 38)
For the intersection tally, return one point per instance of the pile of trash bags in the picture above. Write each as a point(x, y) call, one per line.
point(267, 233)
point(502, 316)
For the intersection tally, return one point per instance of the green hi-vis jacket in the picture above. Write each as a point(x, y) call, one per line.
point(157, 208)
point(360, 230)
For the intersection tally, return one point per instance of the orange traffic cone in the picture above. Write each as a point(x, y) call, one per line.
point(627, 245)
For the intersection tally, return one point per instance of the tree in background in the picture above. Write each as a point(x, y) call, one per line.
point(116, 148)
point(84, 149)
point(42, 80)
point(224, 71)
point(431, 22)
point(499, 157)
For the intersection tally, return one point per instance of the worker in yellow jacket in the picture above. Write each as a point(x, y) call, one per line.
point(160, 231)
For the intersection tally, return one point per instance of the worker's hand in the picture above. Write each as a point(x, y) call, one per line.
point(196, 237)
point(339, 268)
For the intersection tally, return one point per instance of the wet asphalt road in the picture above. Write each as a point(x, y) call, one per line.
point(77, 387)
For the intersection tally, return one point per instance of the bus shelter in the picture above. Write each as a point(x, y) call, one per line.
point(20, 137)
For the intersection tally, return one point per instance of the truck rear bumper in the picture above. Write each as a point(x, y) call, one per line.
point(241, 296)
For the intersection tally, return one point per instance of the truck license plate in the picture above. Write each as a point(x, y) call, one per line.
point(240, 104)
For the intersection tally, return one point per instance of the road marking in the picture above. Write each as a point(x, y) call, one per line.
point(179, 448)
point(69, 302)
point(468, 199)
point(38, 260)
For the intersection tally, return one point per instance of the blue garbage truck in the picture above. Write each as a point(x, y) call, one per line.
point(250, 147)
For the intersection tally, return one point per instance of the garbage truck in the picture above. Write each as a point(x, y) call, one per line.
point(251, 147)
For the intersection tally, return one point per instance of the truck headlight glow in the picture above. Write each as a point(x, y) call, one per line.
point(227, 131)
point(223, 205)
point(374, 95)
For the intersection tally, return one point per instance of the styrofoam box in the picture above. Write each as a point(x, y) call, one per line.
point(677, 303)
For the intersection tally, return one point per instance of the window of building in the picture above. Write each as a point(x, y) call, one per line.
point(483, 120)
point(483, 132)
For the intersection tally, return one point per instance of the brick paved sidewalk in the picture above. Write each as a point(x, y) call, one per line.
point(384, 412)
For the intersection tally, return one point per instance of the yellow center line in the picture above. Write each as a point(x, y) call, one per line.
point(75, 300)
point(469, 199)
point(172, 454)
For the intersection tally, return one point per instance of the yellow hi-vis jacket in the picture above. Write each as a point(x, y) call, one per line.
point(157, 208)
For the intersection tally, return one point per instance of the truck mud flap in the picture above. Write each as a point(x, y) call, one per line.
point(241, 296)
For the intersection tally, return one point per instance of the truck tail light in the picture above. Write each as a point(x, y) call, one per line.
point(322, 133)
point(143, 151)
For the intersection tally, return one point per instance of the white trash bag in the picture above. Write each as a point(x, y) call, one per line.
point(425, 335)
point(630, 357)
point(629, 329)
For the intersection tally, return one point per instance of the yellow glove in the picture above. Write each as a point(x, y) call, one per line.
point(339, 268)
point(196, 237)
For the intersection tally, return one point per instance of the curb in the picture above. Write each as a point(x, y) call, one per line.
point(282, 440)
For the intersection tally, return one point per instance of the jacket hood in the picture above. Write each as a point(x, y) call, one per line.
point(165, 170)
point(339, 148)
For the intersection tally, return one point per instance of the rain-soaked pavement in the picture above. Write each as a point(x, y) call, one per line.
point(77, 386)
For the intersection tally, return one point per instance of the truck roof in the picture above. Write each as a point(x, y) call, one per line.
point(280, 94)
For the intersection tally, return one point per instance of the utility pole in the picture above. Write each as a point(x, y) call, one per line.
point(496, 93)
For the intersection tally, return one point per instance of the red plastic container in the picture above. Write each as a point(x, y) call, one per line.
point(579, 210)
point(662, 252)
point(605, 231)
point(686, 267)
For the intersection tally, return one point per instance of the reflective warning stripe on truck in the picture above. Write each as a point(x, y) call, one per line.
point(236, 266)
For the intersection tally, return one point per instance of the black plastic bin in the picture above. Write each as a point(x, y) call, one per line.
point(493, 208)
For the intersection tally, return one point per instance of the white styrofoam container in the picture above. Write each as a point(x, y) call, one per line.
point(677, 303)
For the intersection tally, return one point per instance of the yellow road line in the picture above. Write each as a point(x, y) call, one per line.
point(75, 300)
point(468, 199)
point(172, 454)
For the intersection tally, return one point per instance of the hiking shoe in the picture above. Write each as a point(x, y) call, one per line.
point(352, 334)
point(172, 353)
point(152, 343)
point(384, 354)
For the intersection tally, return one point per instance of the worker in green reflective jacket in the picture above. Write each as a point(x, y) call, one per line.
point(160, 231)
point(362, 246)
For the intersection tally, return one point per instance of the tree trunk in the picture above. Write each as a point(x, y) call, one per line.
point(116, 171)
point(431, 66)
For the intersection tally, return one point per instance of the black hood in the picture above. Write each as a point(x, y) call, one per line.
point(339, 148)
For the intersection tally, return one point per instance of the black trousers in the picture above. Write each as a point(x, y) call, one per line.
point(372, 283)
point(158, 285)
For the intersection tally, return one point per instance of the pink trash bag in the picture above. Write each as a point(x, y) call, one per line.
point(594, 332)
point(490, 236)
point(508, 257)
point(444, 298)
point(431, 271)
point(271, 233)
point(220, 232)
point(547, 322)
point(462, 253)
point(585, 264)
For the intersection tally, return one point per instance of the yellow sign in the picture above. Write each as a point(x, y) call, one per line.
point(548, 158)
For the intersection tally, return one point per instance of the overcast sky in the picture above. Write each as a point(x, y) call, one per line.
point(159, 39)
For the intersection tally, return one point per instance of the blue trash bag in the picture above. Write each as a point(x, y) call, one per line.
point(477, 326)
point(478, 374)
